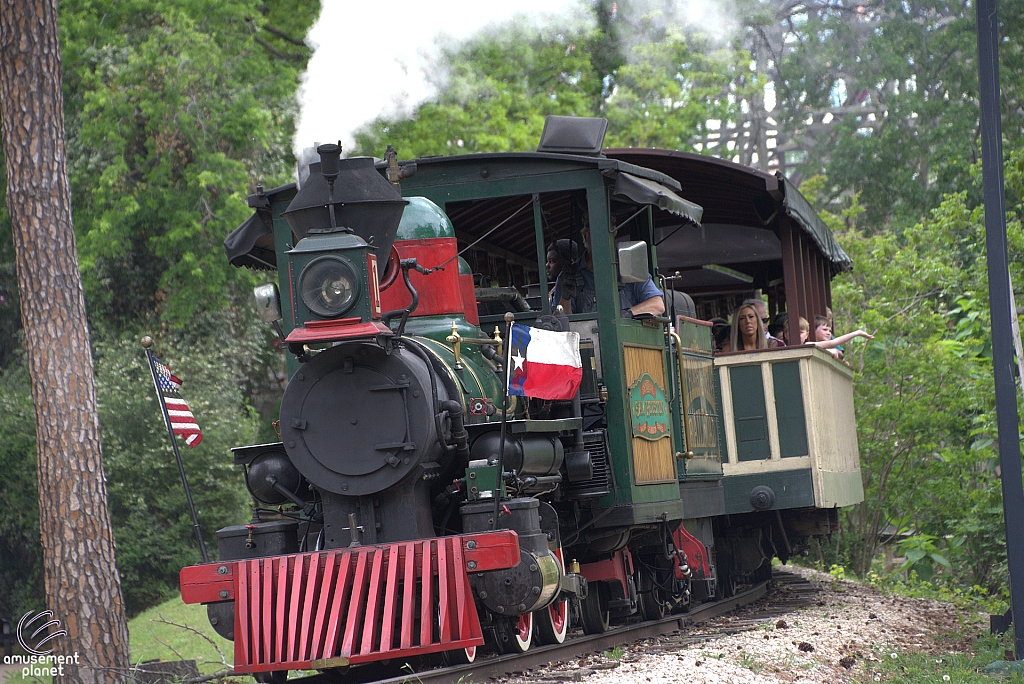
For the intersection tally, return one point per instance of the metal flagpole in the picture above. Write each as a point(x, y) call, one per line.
point(509, 319)
point(999, 303)
point(147, 342)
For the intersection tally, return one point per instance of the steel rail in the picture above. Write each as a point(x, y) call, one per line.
point(507, 664)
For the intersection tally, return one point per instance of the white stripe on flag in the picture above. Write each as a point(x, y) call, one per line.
point(554, 348)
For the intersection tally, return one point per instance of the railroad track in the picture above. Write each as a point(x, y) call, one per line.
point(788, 592)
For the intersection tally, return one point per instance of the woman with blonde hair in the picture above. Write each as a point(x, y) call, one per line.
point(748, 331)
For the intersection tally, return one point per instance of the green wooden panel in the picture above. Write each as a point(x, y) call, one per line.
point(750, 415)
point(793, 489)
point(283, 241)
point(723, 446)
point(841, 489)
point(695, 336)
point(789, 408)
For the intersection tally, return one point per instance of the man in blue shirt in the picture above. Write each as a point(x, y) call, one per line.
point(575, 290)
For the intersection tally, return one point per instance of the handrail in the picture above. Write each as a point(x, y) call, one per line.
point(683, 399)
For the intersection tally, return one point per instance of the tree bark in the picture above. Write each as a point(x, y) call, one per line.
point(82, 584)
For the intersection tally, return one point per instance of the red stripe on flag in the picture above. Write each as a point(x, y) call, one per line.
point(550, 381)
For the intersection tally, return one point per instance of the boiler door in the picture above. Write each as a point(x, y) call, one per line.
point(355, 420)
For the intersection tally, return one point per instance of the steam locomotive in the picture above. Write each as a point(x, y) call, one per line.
point(412, 508)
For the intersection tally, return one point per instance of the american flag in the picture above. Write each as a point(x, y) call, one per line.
point(182, 421)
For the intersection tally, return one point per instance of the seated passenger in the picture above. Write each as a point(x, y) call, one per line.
point(748, 331)
point(637, 299)
point(576, 290)
point(762, 313)
point(824, 339)
point(720, 333)
point(563, 269)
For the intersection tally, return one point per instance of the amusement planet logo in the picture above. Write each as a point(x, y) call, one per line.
point(37, 633)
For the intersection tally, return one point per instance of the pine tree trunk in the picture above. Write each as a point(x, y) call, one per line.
point(82, 584)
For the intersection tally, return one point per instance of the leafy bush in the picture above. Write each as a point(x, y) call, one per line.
point(21, 575)
point(924, 396)
point(217, 358)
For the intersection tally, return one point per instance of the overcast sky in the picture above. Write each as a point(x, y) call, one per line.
point(370, 56)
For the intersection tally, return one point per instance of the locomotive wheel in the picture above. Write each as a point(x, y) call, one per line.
point(652, 604)
point(594, 611)
point(278, 677)
point(726, 586)
point(763, 573)
point(553, 622)
point(515, 635)
point(462, 656)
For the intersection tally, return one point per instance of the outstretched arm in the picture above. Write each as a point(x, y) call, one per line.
point(839, 341)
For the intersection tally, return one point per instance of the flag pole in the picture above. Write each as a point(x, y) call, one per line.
point(147, 342)
point(509, 319)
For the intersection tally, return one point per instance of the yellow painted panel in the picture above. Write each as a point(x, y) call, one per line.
point(652, 461)
point(698, 374)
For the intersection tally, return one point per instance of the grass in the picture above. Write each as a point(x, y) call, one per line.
point(615, 654)
point(170, 631)
point(751, 663)
point(176, 631)
point(955, 659)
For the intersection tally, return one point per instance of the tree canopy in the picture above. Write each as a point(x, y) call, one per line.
point(175, 110)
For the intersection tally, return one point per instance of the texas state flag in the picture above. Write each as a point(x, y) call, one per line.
point(544, 364)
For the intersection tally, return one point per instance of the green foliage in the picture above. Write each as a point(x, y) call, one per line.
point(152, 525)
point(926, 425)
point(498, 88)
point(907, 73)
point(962, 662)
point(922, 553)
point(615, 654)
point(175, 110)
point(169, 130)
point(21, 577)
point(971, 600)
point(669, 90)
point(217, 358)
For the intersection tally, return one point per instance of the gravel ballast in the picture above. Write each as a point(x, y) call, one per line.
point(841, 630)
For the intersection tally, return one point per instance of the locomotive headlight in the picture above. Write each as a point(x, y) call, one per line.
point(328, 286)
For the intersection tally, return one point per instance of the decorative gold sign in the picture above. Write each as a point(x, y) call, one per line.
point(648, 409)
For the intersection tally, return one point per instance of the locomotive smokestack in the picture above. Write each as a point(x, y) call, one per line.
point(347, 194)
point(329, 156)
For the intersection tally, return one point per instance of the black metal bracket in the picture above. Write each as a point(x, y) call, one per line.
point(1000, 624)
point(406, 265)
